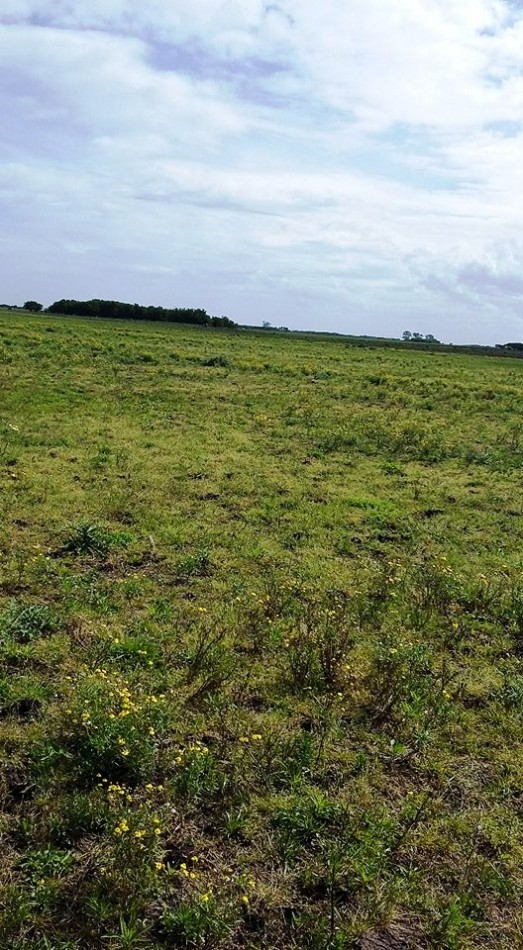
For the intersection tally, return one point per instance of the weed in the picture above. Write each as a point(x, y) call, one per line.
point(303, 822)
point(207, 651)
point(46, 863)
point(407, 691)
point(197, 564)
point(433, 590)
point(110, 727)
point(198, 776)
point(130, 935)
point(319, 644)
point(25, 622)
point(454, 923)
point(200, 922)
point(510, 694)
point(87, 538)
point(216, 361)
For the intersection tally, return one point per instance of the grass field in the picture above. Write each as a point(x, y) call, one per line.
point(261, 642)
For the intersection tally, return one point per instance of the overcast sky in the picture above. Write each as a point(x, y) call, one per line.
point(348, 165)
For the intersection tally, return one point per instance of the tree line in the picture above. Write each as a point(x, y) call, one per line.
point(116, 310)
point(418, 337)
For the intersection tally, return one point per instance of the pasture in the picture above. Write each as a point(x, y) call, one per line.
point(261, 641)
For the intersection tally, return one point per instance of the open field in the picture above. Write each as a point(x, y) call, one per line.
point(261, 642)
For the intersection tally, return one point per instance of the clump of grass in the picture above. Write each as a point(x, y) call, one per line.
point(23, 623)
point(195, 564)
point(319, 643)
point(198, 776)
point(407, 692)
point(202, 919)
point(305, 821)
point(23, 696)
point(222, 361)
point(88, 538)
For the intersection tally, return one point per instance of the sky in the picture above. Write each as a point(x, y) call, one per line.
point(353, 166)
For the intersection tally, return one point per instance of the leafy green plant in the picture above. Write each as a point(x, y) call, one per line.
point(216, 361)
point(88, 538)
point(131, 935)
point(198, 776)
point(200, 922)
point(46, 862)
point(319, 644)
point(304, 821)
point(111, 727)
point(25, 622)
point(197, 564)
point(510, 694)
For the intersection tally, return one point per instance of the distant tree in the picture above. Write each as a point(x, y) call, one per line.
point(407, 335)
point(33, 306)
point(266, 325)
point(116, 310)
point(417, 337)
point(430, 338)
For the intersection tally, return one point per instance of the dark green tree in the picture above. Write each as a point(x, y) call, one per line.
point(33, 306)
point(116, 310)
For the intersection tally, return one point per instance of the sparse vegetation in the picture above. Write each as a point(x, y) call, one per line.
point(261, 642)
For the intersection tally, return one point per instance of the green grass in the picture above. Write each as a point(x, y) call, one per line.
point(261, 641)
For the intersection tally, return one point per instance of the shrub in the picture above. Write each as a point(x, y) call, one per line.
point(406, 689)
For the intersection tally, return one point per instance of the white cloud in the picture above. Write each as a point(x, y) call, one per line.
point(367, 151)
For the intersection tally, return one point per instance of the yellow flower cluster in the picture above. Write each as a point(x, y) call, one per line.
point(188, 873)
point(195, 748)
point(204, 887)
point(124, 703)
point(124, 750)
point(117, 794)
point(109, 697)
point(123, 828)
